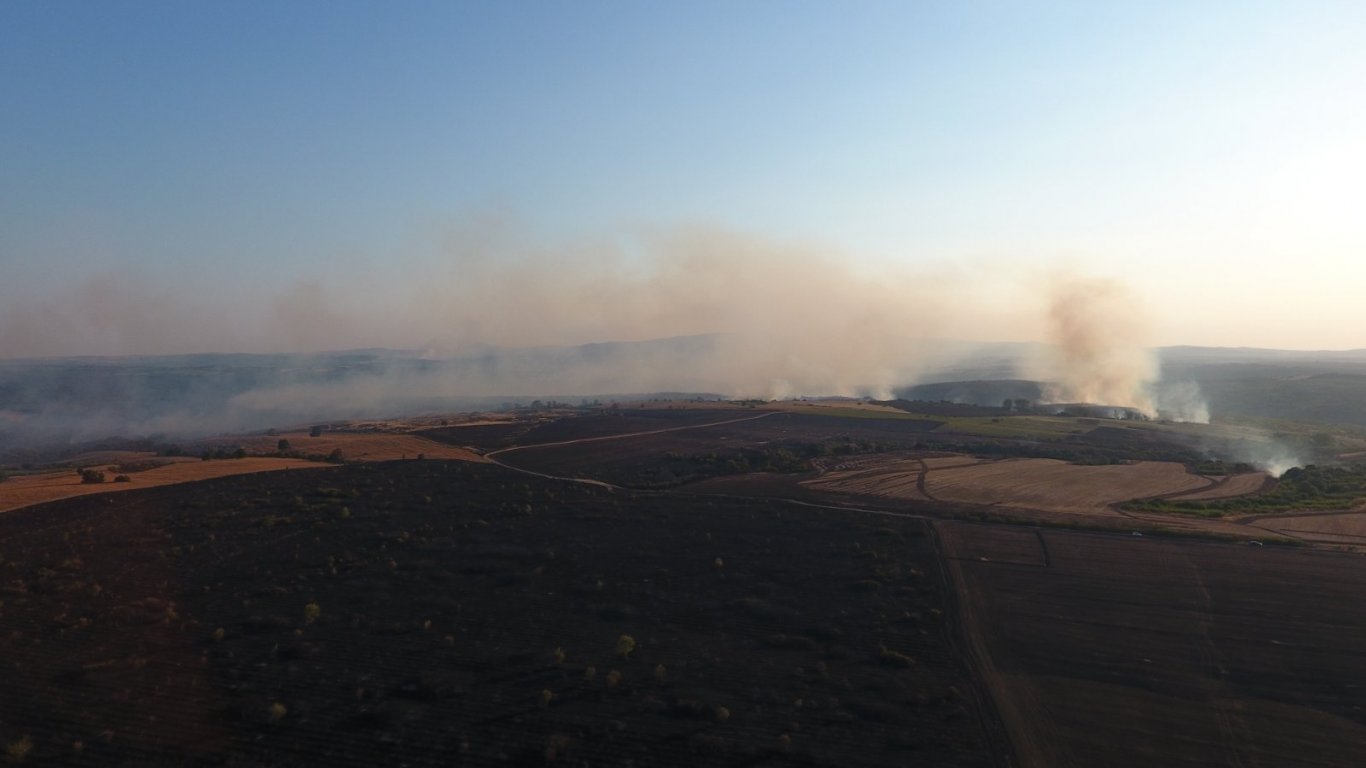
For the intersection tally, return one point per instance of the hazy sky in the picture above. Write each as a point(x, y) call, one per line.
point(186, 174)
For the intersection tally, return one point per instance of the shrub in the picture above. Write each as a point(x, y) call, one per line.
point(625, 644)
point(123, 479)
point(311, 613)
point(282, 446)
point(18, 750)
point(91, 476)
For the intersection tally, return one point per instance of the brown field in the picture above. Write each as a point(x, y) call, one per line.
point(49, 486)
point(875, 476)
point(948, 462)
point(359, 446)
point(1227, 487)
point(1327, 528)
point(1057, 486)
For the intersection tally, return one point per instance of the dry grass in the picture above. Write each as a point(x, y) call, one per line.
point(897, 479)
point(1230, 486)
point(1057, 486)
point(49, 486)
point(1338, 528)
point(948, 462)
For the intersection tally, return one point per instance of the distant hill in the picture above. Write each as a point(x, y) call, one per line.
point(77, 400)
point(979, 392)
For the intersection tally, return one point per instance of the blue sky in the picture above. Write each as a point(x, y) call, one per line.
point(1208, 154)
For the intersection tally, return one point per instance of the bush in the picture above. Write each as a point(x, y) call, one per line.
point(18, 750)
point(91, 476)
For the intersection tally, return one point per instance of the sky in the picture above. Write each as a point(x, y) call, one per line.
point(286, 176)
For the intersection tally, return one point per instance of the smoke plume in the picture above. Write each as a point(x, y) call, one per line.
point(789, 318)
point(1099, 352)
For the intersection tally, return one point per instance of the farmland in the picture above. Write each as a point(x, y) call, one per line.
point(688, 586)
point(39, 487)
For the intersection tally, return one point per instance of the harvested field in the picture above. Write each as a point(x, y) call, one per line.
point(1112, 650)
point(49, 486)
point(1057, 486)
point(896, 478)
point(1227, 487)
point(1348, 527)
point(948, 462)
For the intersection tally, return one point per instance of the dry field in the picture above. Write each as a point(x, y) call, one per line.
point(1227, 487)
point(1345, 528)
point(26, 490)
point(1057, 486)
point(49, 486)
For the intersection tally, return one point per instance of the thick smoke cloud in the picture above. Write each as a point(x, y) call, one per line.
point(791, 318)
point(491, 313)
point(1101, 353)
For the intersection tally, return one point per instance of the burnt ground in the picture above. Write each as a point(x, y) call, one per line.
point(1134, 651)
point(680, 446)
point(765, 632)
point(410, 613)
